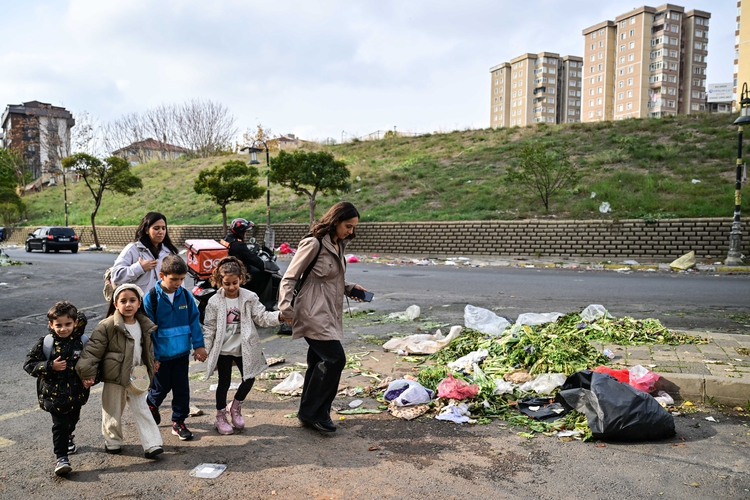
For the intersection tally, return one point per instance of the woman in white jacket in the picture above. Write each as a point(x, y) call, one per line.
point(230, 337)
point(140, 261)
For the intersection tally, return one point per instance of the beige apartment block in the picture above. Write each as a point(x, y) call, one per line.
point(741, 48)
point(536, 88)
point(649, 62)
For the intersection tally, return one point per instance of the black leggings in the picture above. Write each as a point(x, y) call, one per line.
point(224, 368)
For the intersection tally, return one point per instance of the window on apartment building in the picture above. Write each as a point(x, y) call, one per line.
point(620, 96)
point(513, 113)
point(591, 103)
point(699, 33)
point(496, 91)
point(622, 36)
point(520, 93)
point(550, 110)
point(673, 40)
point(620, 72)
point(591, 81)
point(705, 46)
point(593, 57)
point(698, 45)
point(501, 107)
point(591, 114)
point(632, 20)
point(495, 99)
point(673, 28)
point(695, 107)
point(599, 78)
point(599, 100)
point(593, 36)
point(515, 74)
point(697, 58)
point(629, 105)
point(619, 107)
point(696, 94)
point(630, 81)
point(632, 45)
point(630, 93)
point(514, 94)
point(550, 119)
point(672, 79)
point(632, 32)
point(520, 83)
point(599, 90)
point(699, 20)
point(520, 73)
point(622, 48)
point(675, 16)
point(593, 46)
point(631, 57)
point(551, 100)
point(696, 82)
point(514, 84)
point(630, 69)
point(550, 91)
point(552, 71)
point(599, 67)
point(671, 91)
point(673, 53)
point(591, 69)
point(571, 112)
point(622, 60)
point(654, 41)
point(520, 65)
point(601, 32)
point(670, 104)
point(623, 24)
point(598, 112)
point(620, 83)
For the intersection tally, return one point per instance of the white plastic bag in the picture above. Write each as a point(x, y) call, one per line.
point(412, 312)
point(291, 385)
point(503, 387)
point(464, 363)
point(422, 343)
point(544, 383)
point(664, 399)
point(458, 414)
point(532, 319)
point(594, 311)
point(643, 379)
point(484, 320)
point(412, 393)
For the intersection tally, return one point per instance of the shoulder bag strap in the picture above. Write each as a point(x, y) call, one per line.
point(306, 273)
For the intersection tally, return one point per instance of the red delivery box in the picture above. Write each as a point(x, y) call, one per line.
point(203, 255)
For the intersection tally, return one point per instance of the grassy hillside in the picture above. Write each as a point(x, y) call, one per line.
point(643, 168)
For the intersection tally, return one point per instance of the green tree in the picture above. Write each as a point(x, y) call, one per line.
point(543, 171)
point(310, 174)
point(232, 182)
point(11, 177)
point(111, 174)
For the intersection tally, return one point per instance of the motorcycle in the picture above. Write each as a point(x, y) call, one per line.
point(203, 290)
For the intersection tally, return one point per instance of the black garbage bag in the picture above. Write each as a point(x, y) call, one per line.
point(548, 409)
point(616, 411)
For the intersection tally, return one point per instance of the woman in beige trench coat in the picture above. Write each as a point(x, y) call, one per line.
point(318, 309)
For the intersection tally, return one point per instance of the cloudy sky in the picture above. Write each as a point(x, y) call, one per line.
point(324, 68)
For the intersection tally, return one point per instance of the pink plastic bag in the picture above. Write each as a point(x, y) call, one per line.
point(456, 388)
point(620, 375)
point(285, 249)
point(642, 379)
point(352, 259)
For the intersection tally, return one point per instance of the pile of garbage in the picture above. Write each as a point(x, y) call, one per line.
point(541, 372)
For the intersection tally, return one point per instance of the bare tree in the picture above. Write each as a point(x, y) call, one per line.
point(205, 127)
point(123, 132)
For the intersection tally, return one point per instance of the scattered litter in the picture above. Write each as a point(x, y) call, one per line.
point(411, 313)
point(450, 263)
point(711, 419)
point(608, 353)
point(643, 379)
point(458, 414)
point(503, 387)
point(687, 261)
point(359, 411)
point(605, 207)
point(533, 319)
point(232, 386)
point(630, 262)
point(195, 411)
point(696, 181)
point(545, 409)
point(544, 383)
point(422, 343)
point(286, 249)
point(407, 412)
point(425, 262)
point(664, 399)
point(356, 403)
point(593, 312)
point(456, 388)
point(208, 471)
point(291, 386)
point(275, 361)
point(518, 376)
point(464, 363)
point(352, 259)
point(3, 284)
point(407, 393)
point(484, 320)
point(572, 433)
point(593, 195)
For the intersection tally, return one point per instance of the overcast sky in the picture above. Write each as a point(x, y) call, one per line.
point(315, 68)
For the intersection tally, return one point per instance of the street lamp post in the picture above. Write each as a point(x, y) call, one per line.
point(734, 257)
point(268, 237)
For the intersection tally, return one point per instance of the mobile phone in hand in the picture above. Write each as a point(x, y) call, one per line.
point(356, 293)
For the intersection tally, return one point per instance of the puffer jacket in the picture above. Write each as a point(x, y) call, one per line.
point(178, 323)
point(59, 391)
point(318, 309)
point(111, 345)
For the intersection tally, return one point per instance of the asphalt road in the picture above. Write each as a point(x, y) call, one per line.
point(377, 456)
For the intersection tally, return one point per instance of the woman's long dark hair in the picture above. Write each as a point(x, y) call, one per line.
point(341, 211)
point(141, 234)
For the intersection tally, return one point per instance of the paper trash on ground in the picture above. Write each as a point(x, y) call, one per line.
point(422, 343)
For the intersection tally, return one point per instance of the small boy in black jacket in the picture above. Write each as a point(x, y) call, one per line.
point(59, 389)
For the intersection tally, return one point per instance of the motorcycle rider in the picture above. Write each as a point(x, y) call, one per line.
point(234, 241)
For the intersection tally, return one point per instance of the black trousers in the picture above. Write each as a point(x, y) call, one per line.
point(172, 376)
point(326, 360)
point(63, 426)
point(224, 368)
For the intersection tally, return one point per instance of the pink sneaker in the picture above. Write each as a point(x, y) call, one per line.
point(235, 410)
point(221, 423)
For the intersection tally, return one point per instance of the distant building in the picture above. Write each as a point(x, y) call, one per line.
point(648, 62)
point(40, 132)
point(284, 142)
point(150, 150)
point(536, 88)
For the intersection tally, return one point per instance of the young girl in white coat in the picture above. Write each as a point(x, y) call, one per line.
point(231, 338)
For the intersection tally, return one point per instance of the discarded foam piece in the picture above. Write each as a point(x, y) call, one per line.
point(685, 262)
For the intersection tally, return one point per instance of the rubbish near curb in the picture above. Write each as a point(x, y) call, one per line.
point(594, 312)
point(685, 262)
point(456, 388)
point(405, 392)
point(616, 411)
point(456, 413)
point(464, 363)
point(484, 320)
point(291, 386)
point(208, 471)
point(356, 403)
point(545, 409)
point(544, 383)
point(275, 361)
point(407, 412)
point(195, 412)
point(411, 313)
point(422, 343)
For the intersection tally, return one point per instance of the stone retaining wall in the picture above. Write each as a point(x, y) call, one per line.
point(662, 240)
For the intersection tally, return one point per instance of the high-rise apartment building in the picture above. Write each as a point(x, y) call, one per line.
point(741, 48)
point(649, 62)
point(536, 88)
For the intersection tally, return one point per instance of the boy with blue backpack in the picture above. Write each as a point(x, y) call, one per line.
point(59, 389)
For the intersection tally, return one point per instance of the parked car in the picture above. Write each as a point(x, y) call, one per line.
point(55, 238)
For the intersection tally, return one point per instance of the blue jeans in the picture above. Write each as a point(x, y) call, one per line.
point(172, 376)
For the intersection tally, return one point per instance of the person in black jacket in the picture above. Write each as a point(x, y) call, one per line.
point(59, 389)
point(234, 241)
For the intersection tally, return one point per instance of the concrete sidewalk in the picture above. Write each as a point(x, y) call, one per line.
point(715, 372)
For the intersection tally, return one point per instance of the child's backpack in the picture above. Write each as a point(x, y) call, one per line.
point(49, 341)
point(109, 286)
